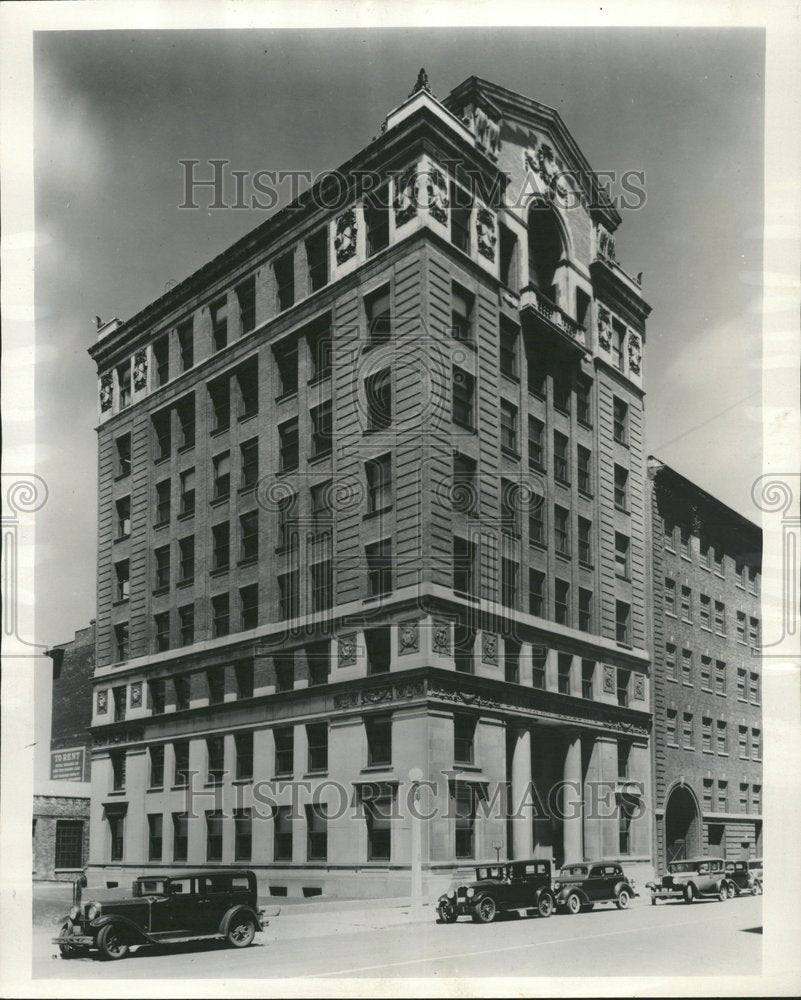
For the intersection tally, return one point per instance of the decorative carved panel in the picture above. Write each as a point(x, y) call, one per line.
point(485, 233)
point(442, 638)
point(136, 694)
point(437, 196)
point(345, 239)
point(405, 204)
point(639, 687)
point(609, 680)
point(140, 370)
point(409, 638)
point(347, 650)
point(635, 353)
point(604, 328)
point(489, 648)
point(102, 701)
point(106, 391)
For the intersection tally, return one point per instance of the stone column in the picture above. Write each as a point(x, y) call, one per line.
point(522, 820)
point(571, 800)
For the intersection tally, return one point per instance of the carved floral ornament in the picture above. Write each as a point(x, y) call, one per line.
point(635, 353)
point(405, 202)
point(609, 680)
point(437, 195)
point(347, 650)
point(102, 701)
point(442, 633)
point(604, 328)
point(409, 641)
point(485, 233)
point(639, 687)
point(489, 647)
point(606, 244)
point(345, 238)
point(136, 694)
point(140, 370)
point(106, 391)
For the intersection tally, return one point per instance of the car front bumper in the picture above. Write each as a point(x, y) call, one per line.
point(83, 940)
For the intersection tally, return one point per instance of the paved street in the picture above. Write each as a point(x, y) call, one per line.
point(707, 938)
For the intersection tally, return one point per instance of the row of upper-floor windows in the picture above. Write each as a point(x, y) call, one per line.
point(714, 735)
point(710, 613)
point(716, 796)
point(714, 674)
point(711, 556)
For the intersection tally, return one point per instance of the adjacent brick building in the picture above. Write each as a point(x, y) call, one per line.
point(372, 516)
point(60, 828)
point(707, 683)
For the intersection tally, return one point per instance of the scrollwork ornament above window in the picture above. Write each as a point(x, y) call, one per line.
point(345, 239)
point(106, 391)
point(635, 353)
point(140, 370)
point(406, 197)
point(437, 196)
point(604, 328)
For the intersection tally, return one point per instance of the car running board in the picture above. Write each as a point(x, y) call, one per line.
point(176, 937)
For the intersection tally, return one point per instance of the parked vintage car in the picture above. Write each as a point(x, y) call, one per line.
point(500, 888)
point(692, 879)
point(580, 886)
point(167, 909)
point(744, 876)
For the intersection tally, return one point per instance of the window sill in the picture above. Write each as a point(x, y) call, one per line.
point(220, 571)
point(686, 558)
point(161, 459)
point(319, 377)
point(371, 514)
point(562, 482)
point(687, 684)
point(122, 475)
point(512, 376)
point(562, 410)
point(242, 781)
point(249, 561)
point(161, 524)
point(587, 494)
point(623, 444)
point(466, 765)
point(323, 773)
point(116, 791)
point(284, 776)
point(584, 423)
point(121, 538)
point(247, 488)
point(589, 565)
point(673, 680)
point(622, 510)
point(319, 457)
point(670, 614)
point(185, 515)
point(188, 582)
point(564, 556)
point(282, 550)
point(378, 597)
point(372, 768)
point(510, 453)
point(673, 746)
point(534, 544)
point(711, 753)
point(469, 344)
point(722, 753)
point(219, 501)
point(186, 447)
point(536, 467)
point(465, 427)
point(465, 596)
point(707, 690)
point(706, 628)
point(123, 600)
point(158, 591)
point(217, 431)
point(247, 416)
point(286, 397)
point(287, 469)
point(155, 788)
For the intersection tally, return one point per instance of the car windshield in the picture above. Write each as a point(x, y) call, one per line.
point(569, 870)
point(677, 867)
point(150, 887)
point(490, 871)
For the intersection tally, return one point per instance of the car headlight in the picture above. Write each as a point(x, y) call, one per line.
point(74, 913)
point(452, 894)
point(556, 885)
point(93, 911)
point(471, 893)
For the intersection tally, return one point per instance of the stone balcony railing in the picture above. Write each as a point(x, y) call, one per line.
point(532, 298)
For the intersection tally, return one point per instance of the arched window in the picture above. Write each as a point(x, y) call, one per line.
point(545, 248)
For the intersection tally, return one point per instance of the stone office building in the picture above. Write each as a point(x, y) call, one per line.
point(707, 674)
point(372, 518)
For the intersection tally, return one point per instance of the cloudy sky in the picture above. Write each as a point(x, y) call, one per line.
point(116, 111)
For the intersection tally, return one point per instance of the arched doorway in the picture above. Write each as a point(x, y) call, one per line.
point(682, 825)
point(545, 248)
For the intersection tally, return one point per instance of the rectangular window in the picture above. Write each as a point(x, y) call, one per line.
point(316, 832)
point(321, 427)
point(687, 666)
point(720, 618)
point(536, 444)
point(464, 557)
point(288, 445)
point(158, 694)
point(620, 417)
point(538, 658)
point(322, 513)
point(378, 813)
point(116, 828)
point(537, 375)
point(249, 606)
point(162, 626)
point(510, 508)
point(186, 617)
point(561, 458)
point(461, 204)
point(717, 558)
point(121, 641)
point(618, 339)
point(243, 671)
point(378, 730)
point(122, 574)
point(215, 756)
point(220, 399)
point(249, 536)
point(284, 751)
point(753, 580)
point(508, 427)
point(379, 316)
point(562, 391)
point(561, 519)
point(246, 301)
point(723, 737)
point(704, 552)
point(317, 260)
point(720, 677)
point(562, 602)
point(181, 762)
point(154, 836)
point(741, 626)
point(585, 541)
point(741, 681)
point(564, 664)
point(163, 497)
point(742, 734)
point(723, 796)
point(706, 734)
point(584, 462)
point(379, 567)
point(182, 686)
point(706, 673)
point(214, 835)
point(243, 834)
point(318, 659)
point(123, 456)
point(670, 597)
point(671, 671)
point(288, 595)
point(378, 392)
point(623, 678)
point(622, 546)
point(509, 585)
point(508, 348)
point(187, 492)
point(378, 649)
point(282, 837)
point(288, 534)
point(221, 471)
point(753, 633)
point(756, 799)
point(464, 826)
point(536, 593)
point(215, 682)
point(124, 382)
point(376, 219)
point(587, 678)
point(317, 738)
point(118, 761)
point(322, 585)
point(464, 642)
point(161, 558)
point(243, 743)
point(622, 621)
point(220, 616)
point(508, 257)
point(464, 386)
point(707, 795)
point(684, 540)
point(743, 798)
point(219, 323)
point(624, 831)
point(162, 435)
point(511, 660)
point(688, 731)
point(69, 844)
point(585, 610)
point(754, 688)
point(756, 744)
point(464, 731)
point(464, 496)
point(536, 520)
point(186, 344)
point(321, 349)
point(286, 362)
point(284, 269)
point(161, 359)
point(185, 410)
point(247, 380)
point(621, 488)
point(704, 612)
point(686, 605)
point(584, 401)
point(670, 727)
point(221, 546)
point(623, 756)
point(123, 507)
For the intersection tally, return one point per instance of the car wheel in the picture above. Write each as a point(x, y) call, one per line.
point(111, 944)
point(689, 893)
point(723, 893)
point(486, 910)
point(731, 891)
point(545, 905)
point(447, 914)
point(757, 888)
point(623, 899)
point(68, 950)
point(573, 904)
point(241, 932)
